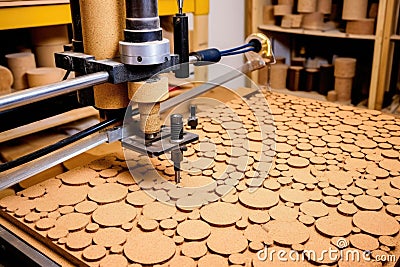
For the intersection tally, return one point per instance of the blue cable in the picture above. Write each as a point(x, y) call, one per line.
point(237, 52)
point(235, 48)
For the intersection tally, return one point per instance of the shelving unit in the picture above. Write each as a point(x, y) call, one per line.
point(331, 33)
point(383, 42)
point(34, 13)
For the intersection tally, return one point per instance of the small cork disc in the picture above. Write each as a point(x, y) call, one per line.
point(149, 248)
point(287, 233)
point(86, 207)
point(107, 193)
point(212, 260)
point(314, 209)
point(158, 211)
point(193, 230)
point(366, 202)
point(56, 233)
point(364, 242)
point(194, 250)
point(334, 225)
point(78, 240)
point(259, 217)
point(73, 221)
point(220, 214)
point(376, 223)
point(69, 195)
point(139, 198)
point(227, 241)
point(94, 253)
point(108, 237)
point(259, 199)
point(294, 195)
point(298, 162)
point(114, 214)
point(347, 209)
point(78, 176)
point(283, 213)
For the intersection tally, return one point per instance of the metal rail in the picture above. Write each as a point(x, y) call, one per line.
point(16, 175)
point(36, 94)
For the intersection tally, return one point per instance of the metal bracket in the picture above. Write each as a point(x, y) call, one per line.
point(159, 145)
point(119, 72)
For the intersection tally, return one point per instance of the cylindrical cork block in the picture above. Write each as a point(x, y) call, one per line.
point(151, 91)
point(312, 80)
point(278, 76)
point(286, 2)
point(150, 121)
point(354, 9)
point(263, 76)
point(326, 79)
point(345, 67)
point(286, 22)
point(50, 35)
point(44, 76)
point(268, 15)
point(295, 78)
point(343, 88)
point(324, 6)
point(45, 54)
point(20, 63)
point(282, 10)
point(331, 96)
point(306, 6)
point(313, 21)
point(364, 26)
point(6, 80)
point(102, 29)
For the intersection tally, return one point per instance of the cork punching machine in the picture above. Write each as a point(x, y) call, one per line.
point(118, 54)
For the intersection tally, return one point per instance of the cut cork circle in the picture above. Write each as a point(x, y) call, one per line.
point(376, 223)
point(149, 248)
point(227, 241)
point(220, 214)
point(107, 193)
point(114, 214)
point(260, 198)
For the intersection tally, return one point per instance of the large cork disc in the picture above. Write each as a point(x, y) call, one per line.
point(114, 214)
point(376, 223)
point(259, 199)
point(220, 214)
point(227, 241)
point(149, 248)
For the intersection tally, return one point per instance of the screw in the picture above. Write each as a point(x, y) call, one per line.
point(176, 128)
point(193, 121)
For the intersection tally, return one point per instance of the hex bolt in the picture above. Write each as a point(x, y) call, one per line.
point(176, 128)
point(193, 121)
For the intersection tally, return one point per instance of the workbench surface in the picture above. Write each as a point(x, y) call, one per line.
point(299, 176)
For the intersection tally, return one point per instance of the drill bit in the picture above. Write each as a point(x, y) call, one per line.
point(180, 6)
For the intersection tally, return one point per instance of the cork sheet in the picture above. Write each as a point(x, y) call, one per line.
point(301, 176)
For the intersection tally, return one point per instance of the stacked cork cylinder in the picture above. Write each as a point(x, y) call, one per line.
point(27, 69)
point(355, 14)
point(345, 70)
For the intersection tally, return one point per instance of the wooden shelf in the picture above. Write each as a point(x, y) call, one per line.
point(332, 33)
point(395, 37)
point(26, 14)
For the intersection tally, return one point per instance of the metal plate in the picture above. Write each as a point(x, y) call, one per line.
point(159, 145)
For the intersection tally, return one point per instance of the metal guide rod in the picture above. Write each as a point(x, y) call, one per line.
point(247, 67)
point(16, 175)
point(36, 94)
